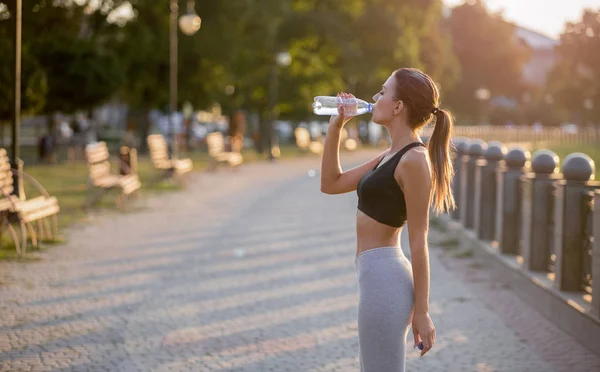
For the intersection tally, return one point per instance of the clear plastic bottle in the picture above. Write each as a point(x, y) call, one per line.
point(328, 105)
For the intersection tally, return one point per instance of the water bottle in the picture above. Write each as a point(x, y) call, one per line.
point(324, 105)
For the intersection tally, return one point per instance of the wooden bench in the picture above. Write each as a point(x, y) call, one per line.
point(159, 153)
point(304, 142)
point(24, 212)
point(101, 179)
point(217, 153)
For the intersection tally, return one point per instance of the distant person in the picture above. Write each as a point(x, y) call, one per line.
point(45, 148)
point(236, 130)
point(398, 185)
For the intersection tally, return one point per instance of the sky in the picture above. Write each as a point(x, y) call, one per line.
point(546, 16)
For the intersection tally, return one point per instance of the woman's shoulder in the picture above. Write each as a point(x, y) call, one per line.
point(414, 163)
point(415, 157)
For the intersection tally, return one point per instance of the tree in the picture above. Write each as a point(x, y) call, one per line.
point(66, 68)
point(489, 55)
point(575, 80)
point(34, 85)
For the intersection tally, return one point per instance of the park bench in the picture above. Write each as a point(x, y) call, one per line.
point(101, 179)
point(217, 153)
point(304, 142)
point(24, 212)
point(169, 167)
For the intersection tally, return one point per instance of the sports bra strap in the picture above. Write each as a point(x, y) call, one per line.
point(401, 153)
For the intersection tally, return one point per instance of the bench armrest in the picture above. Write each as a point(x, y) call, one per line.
point(6, 196)
point(38, 186)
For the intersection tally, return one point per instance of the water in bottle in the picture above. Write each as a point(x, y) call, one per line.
point(325, 105)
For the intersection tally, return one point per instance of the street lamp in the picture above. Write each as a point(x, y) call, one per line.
point(282, 59)
point(588, 103)
point(189, 24)
point(483, 95)
point(16, 16)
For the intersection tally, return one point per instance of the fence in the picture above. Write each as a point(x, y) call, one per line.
point(546, 135)
point(529, 208)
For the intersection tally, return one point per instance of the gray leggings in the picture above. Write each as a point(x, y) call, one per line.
point(384, 309)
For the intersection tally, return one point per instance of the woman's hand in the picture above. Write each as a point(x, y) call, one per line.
point(342, 118)
point(424, 331)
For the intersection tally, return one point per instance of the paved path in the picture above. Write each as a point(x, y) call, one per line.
point(244, 271)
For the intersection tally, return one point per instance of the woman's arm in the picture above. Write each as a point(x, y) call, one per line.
point(333, 179)
point(414, 176)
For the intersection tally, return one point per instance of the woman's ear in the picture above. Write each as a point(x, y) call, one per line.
point(398, 108)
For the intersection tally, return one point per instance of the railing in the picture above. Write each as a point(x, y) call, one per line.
point(588, 240)
point(545, 135)
point(551, 252)
point(549, 217)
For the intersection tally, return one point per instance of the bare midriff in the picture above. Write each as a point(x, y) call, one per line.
point(373, 234)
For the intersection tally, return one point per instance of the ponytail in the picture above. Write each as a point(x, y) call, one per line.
point(443, 170)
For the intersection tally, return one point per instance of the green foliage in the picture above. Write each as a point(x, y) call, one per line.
point(576, 77)
point(351, 45)
point(74, 59)
point(488, 53)
point(65, 64)
point(79, 77)
point(143, 47)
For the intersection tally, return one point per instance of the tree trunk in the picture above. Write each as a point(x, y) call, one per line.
point(143, 128)
point(50, 154)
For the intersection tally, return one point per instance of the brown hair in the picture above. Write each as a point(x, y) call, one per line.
point(420, 96)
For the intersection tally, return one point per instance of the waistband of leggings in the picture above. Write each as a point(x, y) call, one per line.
point(379, 252)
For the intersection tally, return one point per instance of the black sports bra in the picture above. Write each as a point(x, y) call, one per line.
point(379, 195)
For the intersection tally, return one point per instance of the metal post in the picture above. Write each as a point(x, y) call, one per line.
point(508, 198)
point(463, 185)
point(537, 204)
point(570, 221)
point(596, 256)
point(272, 100)
point(173, 75)
point(485, 191)
point(461, 148)
point(476, 149)
point(16, 15)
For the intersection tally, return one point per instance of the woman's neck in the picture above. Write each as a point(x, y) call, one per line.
point(401, 135)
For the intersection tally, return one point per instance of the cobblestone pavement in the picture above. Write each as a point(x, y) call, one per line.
point(244, 271)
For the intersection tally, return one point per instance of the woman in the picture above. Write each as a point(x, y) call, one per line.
point(396, 186)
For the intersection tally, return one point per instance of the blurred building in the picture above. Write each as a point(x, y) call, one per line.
point(543, 54)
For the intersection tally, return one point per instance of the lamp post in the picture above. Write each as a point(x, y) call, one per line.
point(483, 95)
point(282, 59)
point(588, 103)
point(189, 24)
point(16, 16)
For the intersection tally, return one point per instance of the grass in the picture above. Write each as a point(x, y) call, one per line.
point(463, 253)
point(449, 244)
point(436, 223)
point(562, 150)
point(68, 182)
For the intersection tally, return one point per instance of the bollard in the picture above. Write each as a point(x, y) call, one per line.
point(537, 203)
point(485, 191)
point(570, 221)
point(475, 151)
point(461, 145)
point(596, 256)
point(516, 161)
